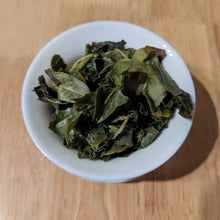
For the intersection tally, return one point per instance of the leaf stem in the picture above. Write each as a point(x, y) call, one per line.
point(122, 126)
point(72, 90)
point(121, 53)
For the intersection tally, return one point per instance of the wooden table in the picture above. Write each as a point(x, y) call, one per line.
point(186, 187)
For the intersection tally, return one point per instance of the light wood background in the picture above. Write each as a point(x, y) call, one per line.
point(186, 187)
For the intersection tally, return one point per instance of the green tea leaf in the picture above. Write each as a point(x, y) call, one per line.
point(117, 70)
point(96, 136)
point(154, 88)
point(106, 46)
point(100, 96)
point(162, 112)
point(181, 97)
point(46, 94)
point(62, 119)
point(69, 129)
point(70, 90)
point(149, 137)
point(86, 104)
point(137, 60)
point(184, 104)
point(160, 53)
point(116, 148)
point(126, 139)
point(56, 78)
point(115, 100)
point(164, 77)
point(135, 83)
point(57, 63)
point(79, 64)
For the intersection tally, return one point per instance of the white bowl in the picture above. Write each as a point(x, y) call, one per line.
point(71, 45)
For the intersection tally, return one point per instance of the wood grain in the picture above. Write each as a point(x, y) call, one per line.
point(186, 187)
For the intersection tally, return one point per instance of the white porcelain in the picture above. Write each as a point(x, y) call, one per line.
point(71, 45)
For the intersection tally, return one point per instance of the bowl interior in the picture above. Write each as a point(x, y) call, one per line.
point(71, 45)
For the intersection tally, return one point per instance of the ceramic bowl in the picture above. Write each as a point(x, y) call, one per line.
point(71, 46)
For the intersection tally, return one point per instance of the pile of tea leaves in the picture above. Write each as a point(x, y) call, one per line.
point(113, 100)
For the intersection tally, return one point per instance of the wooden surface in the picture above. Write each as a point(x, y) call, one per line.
point(186, 187)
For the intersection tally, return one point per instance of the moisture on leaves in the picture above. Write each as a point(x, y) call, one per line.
point(113, 101)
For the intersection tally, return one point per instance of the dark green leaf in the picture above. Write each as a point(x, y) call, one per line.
point(57, 63)
point(184, 104)
point(126, 139)
point(46, 94)
point(113, 102)
point(103, 47)
point(116, 148)
point(100, 96)
point(86, 104)
point(134, 84)
point(96, 136)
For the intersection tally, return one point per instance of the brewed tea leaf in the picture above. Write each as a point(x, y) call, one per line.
point(113, 100)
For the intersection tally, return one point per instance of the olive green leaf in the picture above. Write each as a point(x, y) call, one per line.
point(114, 101)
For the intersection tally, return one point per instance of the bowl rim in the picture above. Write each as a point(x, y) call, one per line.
point(59, 163)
